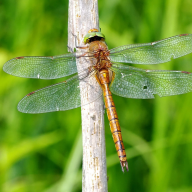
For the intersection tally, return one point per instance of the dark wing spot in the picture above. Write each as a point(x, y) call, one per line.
point(144, 87)
point(19, 57)
point(31, 93)
point(184, 34)
point(185, 72)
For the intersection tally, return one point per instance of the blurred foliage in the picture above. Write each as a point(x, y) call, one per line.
point(42, 152)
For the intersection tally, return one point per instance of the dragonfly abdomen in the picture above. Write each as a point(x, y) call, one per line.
point(113, 118)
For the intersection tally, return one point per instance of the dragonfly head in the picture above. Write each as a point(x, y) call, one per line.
point(93, 35)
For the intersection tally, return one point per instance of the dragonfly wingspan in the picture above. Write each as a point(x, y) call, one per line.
point(137, 83)
point(60, 97)
point(153, 53)
point(51, 67)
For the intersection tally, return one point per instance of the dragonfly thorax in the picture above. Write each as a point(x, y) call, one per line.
point(100, 53)
point(98, 45)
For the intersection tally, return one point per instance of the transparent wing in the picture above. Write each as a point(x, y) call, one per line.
point(60, 97)
point(153, 53)
point(137, 83)
point(42, 67)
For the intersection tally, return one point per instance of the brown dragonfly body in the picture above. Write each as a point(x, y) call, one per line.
point(104, 76)
point(113, 77)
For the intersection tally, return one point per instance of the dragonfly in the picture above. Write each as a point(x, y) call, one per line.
point(110, 69)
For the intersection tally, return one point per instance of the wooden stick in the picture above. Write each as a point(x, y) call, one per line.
point(83, 16)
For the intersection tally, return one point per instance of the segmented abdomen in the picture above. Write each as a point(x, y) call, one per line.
point(113, 118)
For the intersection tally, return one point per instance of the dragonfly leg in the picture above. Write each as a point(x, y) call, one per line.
point(82, 46)
point(70, 49)
point(77, 46)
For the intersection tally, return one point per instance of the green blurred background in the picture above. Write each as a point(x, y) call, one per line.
point(43, 153)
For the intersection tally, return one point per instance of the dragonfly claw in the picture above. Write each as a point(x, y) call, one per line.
point(124, 164)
